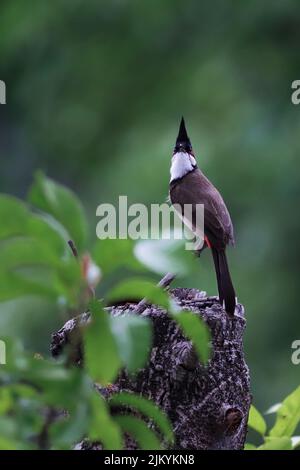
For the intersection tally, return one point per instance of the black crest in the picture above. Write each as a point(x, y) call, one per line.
point(183, 142)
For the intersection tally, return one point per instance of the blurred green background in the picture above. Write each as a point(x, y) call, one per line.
point(95, 92)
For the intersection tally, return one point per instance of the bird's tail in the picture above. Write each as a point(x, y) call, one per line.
point(225, 286)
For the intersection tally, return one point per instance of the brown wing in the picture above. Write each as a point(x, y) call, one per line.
point(194, 189)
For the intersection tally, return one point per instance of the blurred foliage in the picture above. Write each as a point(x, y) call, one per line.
point(280, 436)
point(95, 91)
point(59, 405)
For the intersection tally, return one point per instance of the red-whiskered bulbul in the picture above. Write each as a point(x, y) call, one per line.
point(188, 185)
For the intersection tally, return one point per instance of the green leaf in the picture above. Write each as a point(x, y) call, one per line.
point(61, 386)
point(6, 400)
point(7, 444)
point(103, 427)
point(51, 385)
point(113, 254)
point(196, 330)
point(288, 416)
point(161, 256)
point(26, 252)
point(145, 438)
point(256, 421)
point(70, 429)
point(13, 286)
point(137, 289)
point(147, 408)
point(249, 446)
point(276, 443)
point(20, 222)
point(29, 266)
point(13, 216)
point(100, 348)
point(133, 338)
point(40, 228)
point(9, 394)
point(62, 204)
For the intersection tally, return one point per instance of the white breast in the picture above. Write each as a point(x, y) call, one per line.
point(182, 163)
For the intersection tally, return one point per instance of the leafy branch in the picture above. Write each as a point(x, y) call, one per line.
point(59, 405)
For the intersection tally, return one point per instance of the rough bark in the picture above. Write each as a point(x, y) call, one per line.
point(208, 406)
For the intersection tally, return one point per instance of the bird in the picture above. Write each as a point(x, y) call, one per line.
point(188, 185)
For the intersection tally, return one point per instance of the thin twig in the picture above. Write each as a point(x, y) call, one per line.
point(164, 282)
point(43, 439)
point(73, 248)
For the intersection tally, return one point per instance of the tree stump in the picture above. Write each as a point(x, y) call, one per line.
point(208, 406)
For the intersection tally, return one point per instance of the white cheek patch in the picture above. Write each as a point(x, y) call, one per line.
point(194, 163)
point(182, 163)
